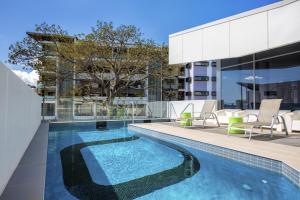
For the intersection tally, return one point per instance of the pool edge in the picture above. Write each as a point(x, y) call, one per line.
point(270, 164)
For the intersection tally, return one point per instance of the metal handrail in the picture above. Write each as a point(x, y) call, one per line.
point(133, 111)
point(149, 109)
point(193, 110)
point(164, 113)
point(125, 112)
point(172, 106)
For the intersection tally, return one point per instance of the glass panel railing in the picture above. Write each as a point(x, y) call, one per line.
point(81, 110)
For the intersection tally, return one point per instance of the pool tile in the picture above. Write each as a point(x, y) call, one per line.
point(248, 159)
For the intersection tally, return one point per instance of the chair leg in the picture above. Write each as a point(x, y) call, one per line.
point(215, 116)
point(250, 134)
point(284, 125)
point(272, 126)
point(204, 120)
point(271, 136)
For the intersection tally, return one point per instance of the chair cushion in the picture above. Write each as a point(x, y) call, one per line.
point(296, 125)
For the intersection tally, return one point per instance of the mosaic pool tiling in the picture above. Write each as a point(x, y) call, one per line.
point(249, 159)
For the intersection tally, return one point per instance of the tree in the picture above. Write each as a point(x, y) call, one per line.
point(112, 58)
point(33, 54)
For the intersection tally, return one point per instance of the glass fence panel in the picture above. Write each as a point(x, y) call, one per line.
point(100, 110)
point(84, 109)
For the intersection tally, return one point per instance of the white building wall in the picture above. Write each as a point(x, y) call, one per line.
point(249, 34)
point(257, 30)
point(20, 117)
point(216, 41)
point(175, 56)
point(284, 25)
point(191, 46)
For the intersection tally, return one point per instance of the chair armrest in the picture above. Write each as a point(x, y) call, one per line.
point(255, 115)
point(220, 112)
point(251, 114)
point(241, 113)
point(296, 116)
point(289, 117)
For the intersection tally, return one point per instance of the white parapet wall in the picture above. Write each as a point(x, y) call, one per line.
point(257, 30)
point(20, 117)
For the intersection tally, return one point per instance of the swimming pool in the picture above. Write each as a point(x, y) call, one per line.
point(118, 163)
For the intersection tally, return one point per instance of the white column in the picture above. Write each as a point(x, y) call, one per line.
point(192, 70)
point(209, 82)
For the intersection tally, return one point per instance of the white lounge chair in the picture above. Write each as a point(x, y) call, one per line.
point(267, 116)
point(207, 112)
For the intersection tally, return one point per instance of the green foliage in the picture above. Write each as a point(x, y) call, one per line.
point(113, 58)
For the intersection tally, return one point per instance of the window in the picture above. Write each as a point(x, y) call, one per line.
point(213, 93)
point(237, 87)
point(84, 109)
point(188, 66)
point(201, 93)
point(51, 93)
point(188, 94)
point(201, 64)
point(201, 78)
point(188, 79)
point(48, 109)
point(214, 78)
point(214, 64)
point(279, 78)
point(270, 74)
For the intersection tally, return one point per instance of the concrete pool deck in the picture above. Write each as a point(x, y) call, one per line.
point(287, 154)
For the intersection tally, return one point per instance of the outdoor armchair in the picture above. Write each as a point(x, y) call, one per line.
point(292, 121)
point(224, 115)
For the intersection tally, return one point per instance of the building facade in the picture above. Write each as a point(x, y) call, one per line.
point(62, 100)
point(200, 80)
point(257, 55)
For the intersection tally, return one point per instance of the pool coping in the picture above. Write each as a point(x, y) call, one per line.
point(265, 155)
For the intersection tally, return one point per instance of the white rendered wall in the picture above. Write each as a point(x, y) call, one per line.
point(20, 117)
point(249, 34)
point(175, 56)
point(216, 41)
point(190, 46)
point(284, 25)
point(257, 30)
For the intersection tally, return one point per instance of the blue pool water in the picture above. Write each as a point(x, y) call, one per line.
point(117, 163)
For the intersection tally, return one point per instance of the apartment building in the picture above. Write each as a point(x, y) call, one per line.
point(62, 102)
point(200, 80)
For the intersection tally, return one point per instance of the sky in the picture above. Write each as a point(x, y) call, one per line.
point(156, 18)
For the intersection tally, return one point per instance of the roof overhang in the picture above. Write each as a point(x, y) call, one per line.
point(41, 37)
